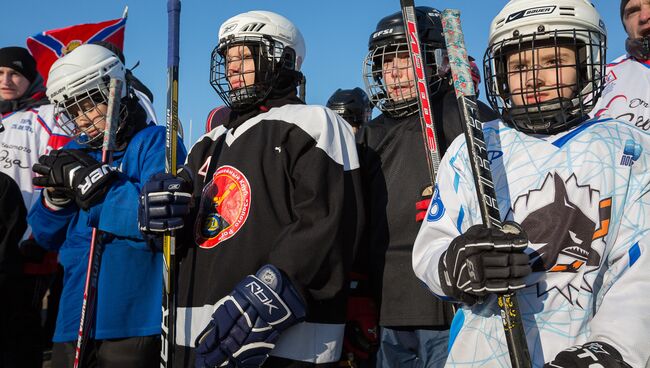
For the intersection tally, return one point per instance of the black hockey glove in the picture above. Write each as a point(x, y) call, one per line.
point(248, 322)
point(164, 201)
point(483, 261)
point(591, 354)
point(75, 173)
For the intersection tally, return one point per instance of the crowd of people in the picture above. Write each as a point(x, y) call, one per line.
point(314, 236)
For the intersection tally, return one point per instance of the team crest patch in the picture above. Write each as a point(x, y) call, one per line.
point(225, 203)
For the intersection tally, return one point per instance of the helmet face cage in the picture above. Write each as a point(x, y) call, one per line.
point(268, 56)
point(84, 106)
point(546, 101)
point(378, 88)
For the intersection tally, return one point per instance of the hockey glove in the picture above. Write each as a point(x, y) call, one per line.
point(75, 173)
point(164, 201)
point(591, 354)
point(248, 322)
point(483, 261)
point(422, 205)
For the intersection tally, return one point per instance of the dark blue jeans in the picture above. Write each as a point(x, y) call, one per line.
point(412, 348)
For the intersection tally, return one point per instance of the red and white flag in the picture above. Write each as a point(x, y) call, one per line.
point(48, 46)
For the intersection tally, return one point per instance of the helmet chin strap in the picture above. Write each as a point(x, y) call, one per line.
point(638, 47)
point(553, 116)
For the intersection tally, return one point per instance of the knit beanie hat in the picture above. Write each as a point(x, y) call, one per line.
point(20, 60)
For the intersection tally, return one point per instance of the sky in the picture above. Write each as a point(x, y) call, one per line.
point(336, 35)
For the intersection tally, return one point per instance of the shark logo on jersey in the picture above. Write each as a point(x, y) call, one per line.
point(561, 222)
point(631, 153)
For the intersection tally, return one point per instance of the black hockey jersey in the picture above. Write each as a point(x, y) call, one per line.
point(282, 186)
point(395, 172)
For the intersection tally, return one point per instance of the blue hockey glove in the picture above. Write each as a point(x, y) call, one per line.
point(483, 261)
point(76, 174)
point(164, 201)
point(591, 354)
point(248, 322)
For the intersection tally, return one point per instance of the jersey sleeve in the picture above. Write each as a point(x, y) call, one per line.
point(49, 227)
point(316, 250)
point(453, 210)
point(118, 213)
point(622, 316)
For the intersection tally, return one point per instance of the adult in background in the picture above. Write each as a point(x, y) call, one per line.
point(626, 95)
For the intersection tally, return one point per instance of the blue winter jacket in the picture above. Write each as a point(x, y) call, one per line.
point(130, 279)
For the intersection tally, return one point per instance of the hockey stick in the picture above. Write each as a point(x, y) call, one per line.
point(89, 305)
point(168, 327)
point(426, 119)
point(464, 86)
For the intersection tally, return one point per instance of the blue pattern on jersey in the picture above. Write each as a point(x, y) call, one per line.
point(634, 253)
point(454, 329)
point(562, 141)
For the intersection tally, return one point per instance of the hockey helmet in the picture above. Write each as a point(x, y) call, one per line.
point(390, 40)
point(79, 82)
point(529, 26)
point(276, 47)
point(352, 105)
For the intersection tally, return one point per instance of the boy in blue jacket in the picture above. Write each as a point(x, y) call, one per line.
point(81, 193)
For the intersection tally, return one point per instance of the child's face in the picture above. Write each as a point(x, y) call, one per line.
point(545, 74)
point(398, 75)
point(90, 117)
point(240, 67)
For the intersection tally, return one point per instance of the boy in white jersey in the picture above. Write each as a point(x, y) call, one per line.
point(574, 192)
point(626, 95)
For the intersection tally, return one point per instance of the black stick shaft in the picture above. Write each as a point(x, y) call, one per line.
point(168, 335)
point(464, 86)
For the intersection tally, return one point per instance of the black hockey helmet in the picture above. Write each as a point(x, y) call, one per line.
point(390, 39)
point(352, 105)
point(390, 30)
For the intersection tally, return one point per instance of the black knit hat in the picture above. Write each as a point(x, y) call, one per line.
point(19, 59)
point(623, 3)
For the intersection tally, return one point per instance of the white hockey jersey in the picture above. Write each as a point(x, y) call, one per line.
point(583, 198)
point(626, 95)
point(27, 135)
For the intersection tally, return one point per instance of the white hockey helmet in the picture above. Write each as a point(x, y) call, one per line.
point(83, 75)
point(529, 24)
point(277, 46)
